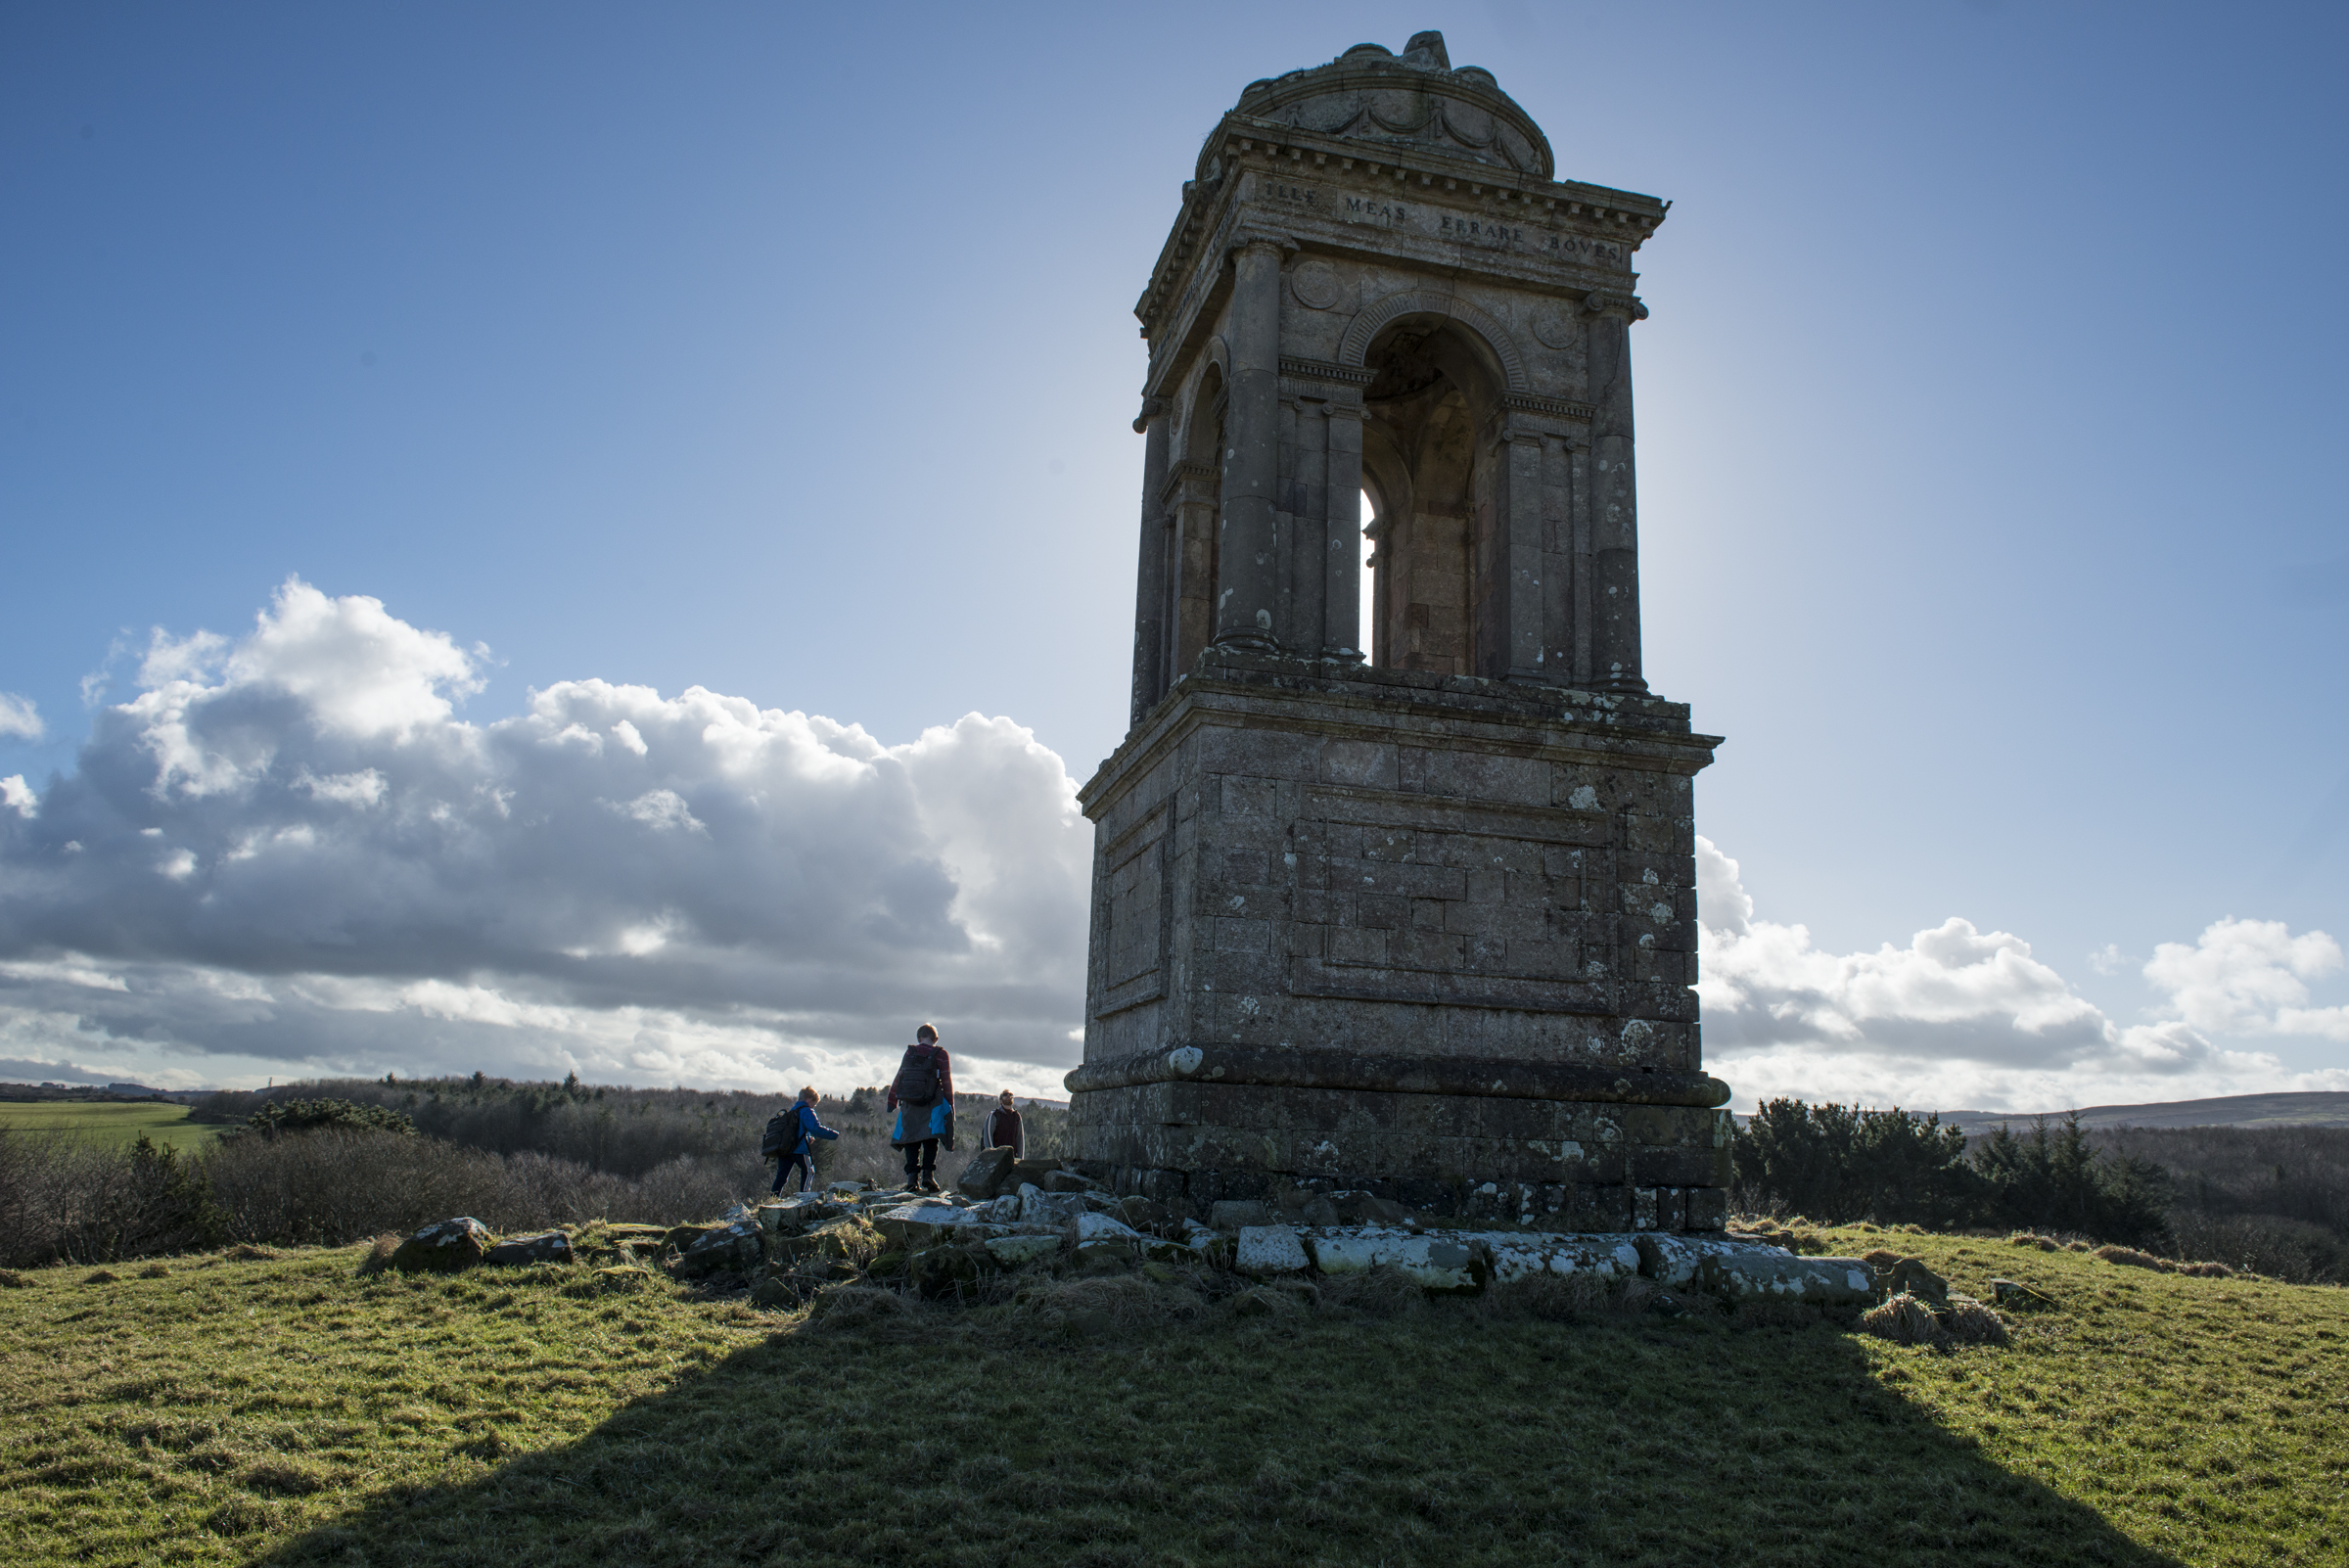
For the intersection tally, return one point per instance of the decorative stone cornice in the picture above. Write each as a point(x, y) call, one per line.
point(1555, 408)
point(1243, 141)
point(1152, 408)
point(1324, 370)
point(1186, 470)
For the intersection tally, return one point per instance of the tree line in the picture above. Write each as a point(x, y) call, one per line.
point(336, 1161)
point(2274, 1200)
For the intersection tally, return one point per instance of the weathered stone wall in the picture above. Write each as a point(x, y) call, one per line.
point(1425, 924)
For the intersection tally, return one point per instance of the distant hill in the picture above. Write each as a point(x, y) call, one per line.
point(2233, 1109)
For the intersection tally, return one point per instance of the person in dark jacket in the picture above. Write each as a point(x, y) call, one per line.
point(1003, 1129)
point(800, 1156)
point(923, 1121)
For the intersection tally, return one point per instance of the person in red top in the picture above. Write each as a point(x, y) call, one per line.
point(923, 1098)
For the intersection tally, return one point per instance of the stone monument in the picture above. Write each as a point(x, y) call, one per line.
point(1405, 908)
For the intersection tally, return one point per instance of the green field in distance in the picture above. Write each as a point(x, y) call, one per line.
point(110, 1120)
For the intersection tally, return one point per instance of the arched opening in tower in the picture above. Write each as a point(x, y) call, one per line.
point(1430, 477)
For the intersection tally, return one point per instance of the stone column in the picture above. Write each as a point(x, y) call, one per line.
point(1615, 513)
point(1247, 553)
point(1342, 636)
point(1521, 535)
point(1152, 598)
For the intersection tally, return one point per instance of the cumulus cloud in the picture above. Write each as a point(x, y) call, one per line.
point(1962, 1018)
point(18, 717)
point(289, 851)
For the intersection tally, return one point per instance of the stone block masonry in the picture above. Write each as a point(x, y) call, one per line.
point(1407, 906)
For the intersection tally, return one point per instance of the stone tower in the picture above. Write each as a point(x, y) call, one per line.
point(1408, 907)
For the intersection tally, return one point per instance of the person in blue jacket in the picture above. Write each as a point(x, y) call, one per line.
point(800, 1156)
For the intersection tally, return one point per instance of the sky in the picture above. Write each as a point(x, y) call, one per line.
point(551, 538)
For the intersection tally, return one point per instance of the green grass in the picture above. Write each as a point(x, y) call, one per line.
point(291, 1411)
point(110, 1120)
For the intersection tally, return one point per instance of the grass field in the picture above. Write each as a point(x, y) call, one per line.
point(110, 1120)
point(290, 1410)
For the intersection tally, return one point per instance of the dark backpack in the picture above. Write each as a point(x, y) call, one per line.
point(781, 1135)
point(918, 1083)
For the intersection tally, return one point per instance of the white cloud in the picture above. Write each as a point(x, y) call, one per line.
point(296, 857)
point(20, 718)
point(2250, 977)
point(1966, 1019)
point(18, 795)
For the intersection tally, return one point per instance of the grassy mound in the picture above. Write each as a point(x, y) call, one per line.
point(292, 1409)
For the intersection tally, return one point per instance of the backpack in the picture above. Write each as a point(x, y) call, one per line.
point(782, 1132)
point(917, 1081)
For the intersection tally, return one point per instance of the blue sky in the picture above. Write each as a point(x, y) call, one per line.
point(1990, 417)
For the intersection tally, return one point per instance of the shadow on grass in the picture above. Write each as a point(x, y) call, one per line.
point(1439, 1436)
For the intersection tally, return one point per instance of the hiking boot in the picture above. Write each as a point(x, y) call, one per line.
point(930, 1183)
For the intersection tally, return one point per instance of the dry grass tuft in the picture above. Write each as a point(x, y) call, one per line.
point(156, 1270)
point(859, 1308)
point(10, 1280)
point(1881, 1258)
point(2206, 1270)
point(1969, 1322)
point(2074, 1246)
point(2030, 1239)
point(2131, 1258)
point(100, 1276)
point(291, 1478)
point(245, 1253)
point(1380, 1292)
point(1113, 1301)
point(1552, 1298)
point(1905, 1321)
point(378, 1259)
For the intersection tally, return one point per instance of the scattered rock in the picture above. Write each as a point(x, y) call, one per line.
point(799, 1210)
point(636, 1235)
point(1029, 1171)
point(1237, 1214)
point(985, 1175)
point(1016, 1252)
point(445, 1248)
point(1435, 1263)
point(548, 1247)
point(947, 1271)
point(1759, 1274)
point(912, 1225)
point(1101, 1227)
point(773, 1291)
point(1040, 1208)
point(1910, 1276)
point(2014, 1293)
point(1066, 1182)
point(1270, 1250)
point(1145, 1214)
point(735, 1247)
point(1537, 1256)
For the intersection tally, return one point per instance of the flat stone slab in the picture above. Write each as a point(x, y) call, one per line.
point(1270, 1250)
point(1469, 1260)
point(1014, 1252)
point(917, 1223)
point(1438, 1261)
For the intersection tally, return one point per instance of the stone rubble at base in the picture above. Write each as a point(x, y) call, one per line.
point(945, 1243)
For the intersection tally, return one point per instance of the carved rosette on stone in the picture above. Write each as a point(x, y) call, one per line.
point(1410, 906)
